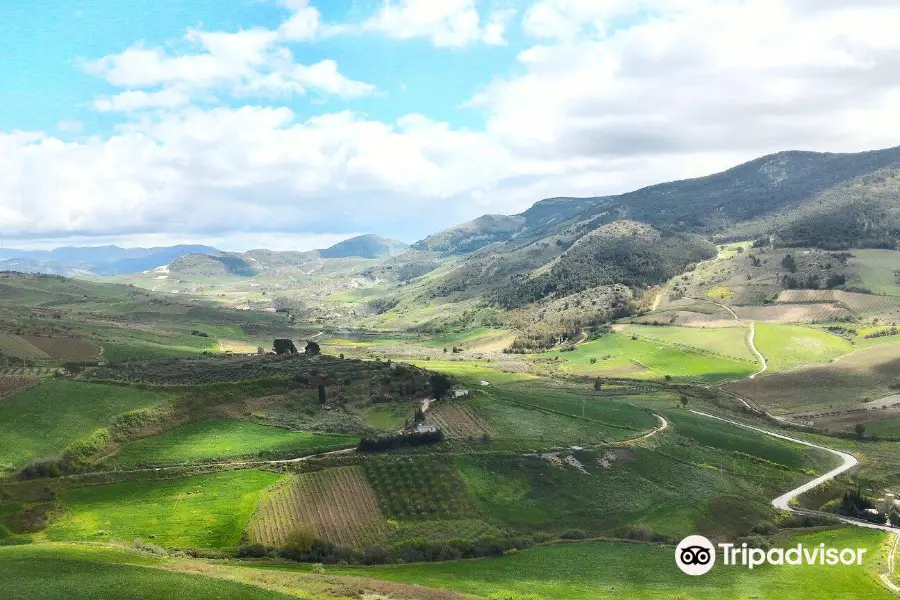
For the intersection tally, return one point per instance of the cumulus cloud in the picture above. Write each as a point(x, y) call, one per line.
point(606, 99)
point(448, 23)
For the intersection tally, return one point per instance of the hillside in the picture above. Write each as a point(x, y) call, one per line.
point(365, 246)
point(709, 205)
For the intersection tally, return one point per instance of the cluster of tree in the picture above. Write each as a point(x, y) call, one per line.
point(410, 551)
point(285, 346)
point(400, 440)
point(199, 333)
point(379, 306)
point(636, 258)
point(882, 333)
point(813, 282)
point(854, 504)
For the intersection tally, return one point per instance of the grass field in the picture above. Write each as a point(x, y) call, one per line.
point(878, 270)
point(223, 439)
point(204, 511)
point(727, 341)
point(42, 420)
point(62, 572)
point(619, 355)
point(19, 347)
point(611, 571)
point(338, 504)
point(790, 346)
point(862, 376)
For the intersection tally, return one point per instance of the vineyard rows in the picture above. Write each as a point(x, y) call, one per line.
point(28, 372)
point(457, 420)
point(419, 489)
point(792, 313)
point(853, 301)
point(338, 504)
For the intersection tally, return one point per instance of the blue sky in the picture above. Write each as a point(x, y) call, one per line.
point(296, 123)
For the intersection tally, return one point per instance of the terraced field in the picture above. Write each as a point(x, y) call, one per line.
point(338, 504)
point(792, 313)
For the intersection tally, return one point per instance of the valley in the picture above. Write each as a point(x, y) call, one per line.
point(524, 407)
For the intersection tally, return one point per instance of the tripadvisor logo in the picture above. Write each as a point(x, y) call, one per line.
point(696, 555)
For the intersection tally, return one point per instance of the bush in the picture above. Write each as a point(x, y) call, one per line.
point(573, 534)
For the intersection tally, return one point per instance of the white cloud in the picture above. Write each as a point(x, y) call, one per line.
point(679, 89)
point(448, 23)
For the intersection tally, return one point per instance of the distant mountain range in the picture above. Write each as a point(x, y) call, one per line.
point(97, 260)
point(113, 260)
point(831, 201)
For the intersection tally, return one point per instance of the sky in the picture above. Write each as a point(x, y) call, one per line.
point(293, 124)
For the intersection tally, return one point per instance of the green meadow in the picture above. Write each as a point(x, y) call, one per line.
point(224, 439)
point(620, 355)
point(204, 511)
point(787, 347)
point(43, 420)
point(617, 570)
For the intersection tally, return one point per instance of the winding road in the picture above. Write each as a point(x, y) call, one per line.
point(750, 340)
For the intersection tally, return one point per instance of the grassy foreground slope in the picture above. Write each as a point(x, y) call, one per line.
point(73, 573)
point(41, 421)
point(205, 511)
point(614, 570)
point(222, 439)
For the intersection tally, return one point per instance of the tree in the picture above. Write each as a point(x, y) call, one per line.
point(322, 397)
point(312, 348)
point(598, 384)
point(283, 346)
point(789, 263)
point(684, 401)
point(860, 430)
point(260, 350)
point(440, 385)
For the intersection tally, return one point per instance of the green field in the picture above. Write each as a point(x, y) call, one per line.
point(222, 439)
point(790, 346)
point(83, 573)
point(205, 511)
point(43, 420)
point(878, 270)
point(727, 341)
point(619, 355)
point(610, 570)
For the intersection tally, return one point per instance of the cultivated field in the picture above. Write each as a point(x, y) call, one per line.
point(19, 347)
point(726, 341)
point(14, 385)
point(64, 348)
point(222, 440)
point(618, 355)
point(792, 313)
point(457, 420)
point(204, 511)
point(418, 490)
point(338, 504)
point(878, 270)
point(860, 303)
point(862, 376)
point(43, 420)
point(789, 346)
